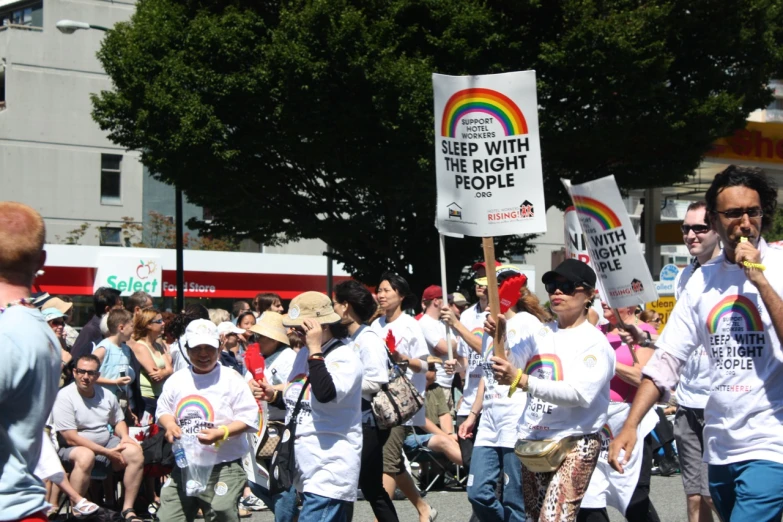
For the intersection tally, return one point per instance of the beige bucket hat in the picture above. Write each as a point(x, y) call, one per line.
point(270, 325)
point(310, 305)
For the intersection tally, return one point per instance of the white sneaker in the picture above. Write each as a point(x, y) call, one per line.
point(252, 503)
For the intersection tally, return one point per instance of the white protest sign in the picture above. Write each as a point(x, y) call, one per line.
point(615, 252)
point(130, 274)
point(487, 155)
point(575, 242)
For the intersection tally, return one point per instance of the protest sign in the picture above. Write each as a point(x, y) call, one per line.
point(487, 155)
point(575, 242)
point(615, 253)
point(488, 162)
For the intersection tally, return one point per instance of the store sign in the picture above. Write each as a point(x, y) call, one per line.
point(760, 142)
point(130, 274)
point(664, 287)
point(664, 306)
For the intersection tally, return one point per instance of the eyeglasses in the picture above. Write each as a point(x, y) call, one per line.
point(656, 320)
point(697, 229)
point(737, 213)
point(567, 287)
point(91, 373)
point(157, 321)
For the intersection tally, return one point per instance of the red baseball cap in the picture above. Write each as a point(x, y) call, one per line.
point(432, 292)
point(483, 264)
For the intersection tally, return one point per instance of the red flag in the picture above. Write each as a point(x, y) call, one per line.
point(391, 342)
point(254, 362)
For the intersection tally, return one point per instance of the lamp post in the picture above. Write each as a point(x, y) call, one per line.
point(70, 27)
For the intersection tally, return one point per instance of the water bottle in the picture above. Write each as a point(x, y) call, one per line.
point(179, 454)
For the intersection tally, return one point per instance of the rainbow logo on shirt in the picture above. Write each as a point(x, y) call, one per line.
point(297, 382)
point(195, 406)
point(597, 211)
point(478, 332)
point(547, 365)
point(606, 432)
point(739, 305)
point(485, 101)
point(489, 349)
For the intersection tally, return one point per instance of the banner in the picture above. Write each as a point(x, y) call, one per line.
point(487, 155)
point(615, 253)
point(130, 274)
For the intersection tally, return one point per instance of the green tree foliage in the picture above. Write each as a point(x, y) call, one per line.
point(313, 118)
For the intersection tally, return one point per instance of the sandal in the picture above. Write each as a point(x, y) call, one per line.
point(131, 518)
point(83, 508)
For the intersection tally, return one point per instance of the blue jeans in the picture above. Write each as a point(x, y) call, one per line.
point(316, 508)
point(283, 505)
point(749, 490)
point(487, 466)
point(413, 441)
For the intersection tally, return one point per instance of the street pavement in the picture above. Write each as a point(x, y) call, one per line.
point(453, 506)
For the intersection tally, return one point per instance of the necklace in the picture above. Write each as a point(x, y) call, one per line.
point(25, 301)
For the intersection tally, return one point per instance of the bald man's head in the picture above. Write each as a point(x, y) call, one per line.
point(22, 234)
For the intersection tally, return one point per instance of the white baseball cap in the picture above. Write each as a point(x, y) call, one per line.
point(227, 327)
point(202, 331)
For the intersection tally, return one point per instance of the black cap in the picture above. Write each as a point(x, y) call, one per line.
point(573, 270)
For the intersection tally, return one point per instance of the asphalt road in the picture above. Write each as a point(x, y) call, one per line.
point(666, 493)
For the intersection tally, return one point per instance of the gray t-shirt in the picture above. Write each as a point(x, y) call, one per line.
point(90, 417)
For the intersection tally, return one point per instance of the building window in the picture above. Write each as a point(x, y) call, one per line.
point(111, 179)
point(111, 236)
point(28, 14)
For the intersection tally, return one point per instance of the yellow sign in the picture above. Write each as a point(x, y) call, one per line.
point(664, 306)
point(761, 142)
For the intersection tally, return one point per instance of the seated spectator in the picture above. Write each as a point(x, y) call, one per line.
point(116, 372)
point(82, 414)
point(103, 301)
point(56, 321)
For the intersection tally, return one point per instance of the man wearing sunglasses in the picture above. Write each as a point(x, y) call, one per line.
point(693, 390)
point(82, 414)
point(731, 306)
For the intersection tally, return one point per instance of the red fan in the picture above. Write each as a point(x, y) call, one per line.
point(508, 292)
point(391, 342)
point(254, 362)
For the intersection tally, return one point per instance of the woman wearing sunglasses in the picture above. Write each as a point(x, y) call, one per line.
point(565, 369)
point(152, 356)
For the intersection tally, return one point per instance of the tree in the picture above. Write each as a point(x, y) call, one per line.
point(298, 119)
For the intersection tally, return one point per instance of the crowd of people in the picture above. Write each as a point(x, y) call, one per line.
point(550, 408)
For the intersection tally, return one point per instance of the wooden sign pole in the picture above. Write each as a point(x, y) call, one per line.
point(492, 290)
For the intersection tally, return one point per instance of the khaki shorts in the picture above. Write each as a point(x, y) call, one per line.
point(392, 451)
point(436, 403)
point(688, 428)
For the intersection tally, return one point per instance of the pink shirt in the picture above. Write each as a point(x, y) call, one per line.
point(619, 390)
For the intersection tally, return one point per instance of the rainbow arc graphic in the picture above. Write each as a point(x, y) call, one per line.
point(198, 404)
point(484, 101)
point(735, 304)
point(606, 432)
point(299, 381)
point(600, 213)
point(546, 361)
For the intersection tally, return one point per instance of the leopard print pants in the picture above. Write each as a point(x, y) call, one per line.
point(556, 496)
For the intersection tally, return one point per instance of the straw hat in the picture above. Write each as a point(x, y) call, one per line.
point(310, 305)
point(270, 325)
point(59, 304)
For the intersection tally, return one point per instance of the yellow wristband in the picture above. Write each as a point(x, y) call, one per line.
point(225, 436)
point(515, 383)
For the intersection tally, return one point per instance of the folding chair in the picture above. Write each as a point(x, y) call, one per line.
point(429, 462)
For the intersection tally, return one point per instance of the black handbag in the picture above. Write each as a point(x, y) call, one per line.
point(281, 467)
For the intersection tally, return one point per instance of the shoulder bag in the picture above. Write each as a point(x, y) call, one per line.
point(398, 400)
point(281, 467)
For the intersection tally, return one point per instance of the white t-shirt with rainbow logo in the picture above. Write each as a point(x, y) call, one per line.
point(200, 401)
point(568, 388)
point(723, 311)
point(501, 413)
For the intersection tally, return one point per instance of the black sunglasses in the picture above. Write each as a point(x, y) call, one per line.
point(567, 287)
point(697, 229)
point(91, 373)
point(57, 322)
point(736, 213)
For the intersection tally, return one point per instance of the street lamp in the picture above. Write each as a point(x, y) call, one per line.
point(70, 27)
